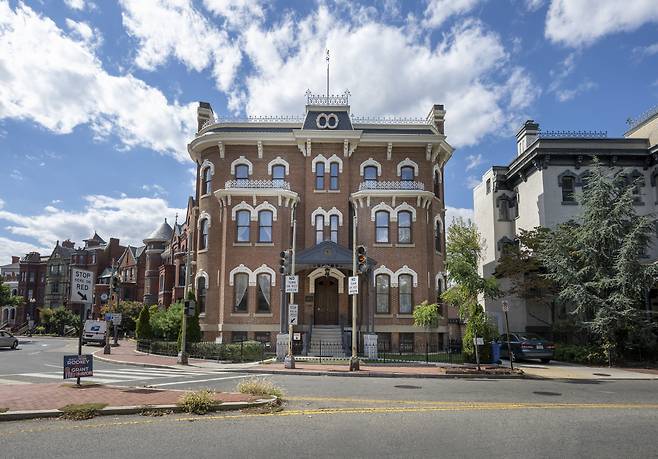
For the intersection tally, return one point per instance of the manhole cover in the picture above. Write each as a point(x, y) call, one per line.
point(601, 374)
point(405, 386)
point(551, 394)
point(141, 391)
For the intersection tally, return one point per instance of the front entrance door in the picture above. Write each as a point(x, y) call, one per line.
point(326, 301)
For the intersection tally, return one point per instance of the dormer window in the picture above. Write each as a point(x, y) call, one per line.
point(241, 172)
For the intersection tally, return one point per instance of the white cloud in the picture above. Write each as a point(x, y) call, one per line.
point(16, 175)
point(533, 5)
point(11, 247)
point(454, 212)
point(581, 23)
point(438, 11)
point(175, 28)
point(645, 51)
point(59, 83)
point(468, 71)
point(238, 13)
point(76, 4)
point(472, 181)
point(564, 95)
point(84, 32)
point(129, 219)
point(156, 189)
point(473, 161)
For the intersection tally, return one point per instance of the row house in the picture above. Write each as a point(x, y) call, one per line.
point(31, 286)
point(9, 275)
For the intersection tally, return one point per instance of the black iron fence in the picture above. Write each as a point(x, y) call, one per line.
point(430, 352)
point(243, 351)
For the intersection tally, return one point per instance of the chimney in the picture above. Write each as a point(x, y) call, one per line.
point(526, 136)
point(204, 113)
point(436, 116)
point(15, 259)
point(68, 244)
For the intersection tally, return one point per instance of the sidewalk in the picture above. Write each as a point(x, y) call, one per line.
point(561, 370)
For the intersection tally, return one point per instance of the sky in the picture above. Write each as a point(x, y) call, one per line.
point(98, 98)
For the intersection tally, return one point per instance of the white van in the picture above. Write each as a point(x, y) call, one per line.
point(94, 332)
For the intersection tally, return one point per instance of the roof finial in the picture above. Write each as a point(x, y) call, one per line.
point(327, 72)
point(176, 219)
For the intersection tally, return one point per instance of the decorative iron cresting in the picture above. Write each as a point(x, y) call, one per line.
point(574, 134)
point(246, 183)
point(391, 185)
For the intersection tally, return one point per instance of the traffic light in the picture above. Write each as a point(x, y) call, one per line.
point(115, 284)
point(361, 259)
point(284, 263)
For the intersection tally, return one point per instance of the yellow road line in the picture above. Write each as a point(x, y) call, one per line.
point(355, 410)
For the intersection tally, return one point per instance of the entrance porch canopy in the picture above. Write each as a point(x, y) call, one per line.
point(326, 253)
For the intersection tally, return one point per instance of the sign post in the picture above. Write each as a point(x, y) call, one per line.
point(76, 366)
point(293, 311)
point(478, 342)
point(82, 289)
point(353, 285)
point(509, 346)
point(292, 284)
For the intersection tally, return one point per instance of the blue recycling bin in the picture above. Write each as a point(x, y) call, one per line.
point(495, 352)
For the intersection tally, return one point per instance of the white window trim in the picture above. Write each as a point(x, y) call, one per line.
point(264, 269)
point(440, 277)
point(406, 270)
point(327, 214)
point(370, 162)
point(333, 159)
point(243, 206)
point(319, 159)
point(407, 162)
point(242, 160)
point(437, 169)
point(405, 207)
point(437, 218)
point(208, 165)
point(384, 270)
point(204, 215)
point(263, 206)
point(319, 272)
point(383, 206)
point(278, 161)
point(205, 276)
point(238, 270)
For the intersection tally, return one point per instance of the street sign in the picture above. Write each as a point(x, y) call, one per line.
point(82, 286)
point(353, 285)
point(478, 341)
point(292, 284)
point(104, 296)
point(296, 336)
point(77, 366)
point(505, 306)
point(293, 309)
point(114, 317)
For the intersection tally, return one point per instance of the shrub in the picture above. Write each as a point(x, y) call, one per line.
point(481, 326)
point(199, 402)
point(143, 327)
point(39, 330)
point(166, 323)
point(589, 355)
point(82, 411)
point(259, 386)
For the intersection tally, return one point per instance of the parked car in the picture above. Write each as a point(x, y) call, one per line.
point(526, 346)
point(8, 340)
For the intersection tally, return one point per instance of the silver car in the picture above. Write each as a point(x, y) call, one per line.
point(8, 340)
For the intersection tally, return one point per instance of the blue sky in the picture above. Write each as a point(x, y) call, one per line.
point(98, 99)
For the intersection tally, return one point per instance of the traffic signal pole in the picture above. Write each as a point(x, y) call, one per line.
point(354, 361)
point(182, 355)
point(290, 359)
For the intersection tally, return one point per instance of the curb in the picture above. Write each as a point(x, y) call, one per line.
point(370, 374)
point(129, 409)
point(136, 364)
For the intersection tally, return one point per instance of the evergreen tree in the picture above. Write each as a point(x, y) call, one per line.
point(192, 329)
point(463, 251)
point(597, 262)
point(143, 328)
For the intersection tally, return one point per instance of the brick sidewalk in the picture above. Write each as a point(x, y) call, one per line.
point(53, 396)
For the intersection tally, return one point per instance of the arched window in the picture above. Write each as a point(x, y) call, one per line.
point(370, 173)
point(242, 218)
point(404, 227)
point(407, 174)
point(162, 283)
point(201, 294)
point(207, 181)
point(278, 174)
point(383, 282)
point(437, 236)
point(241, 172)
point(437, 185)
point(265, 226)
point(203, 234)
point(381, 226)
point(333, 227)
point(319, 176)
point(319, 228)
point(264, 284)
point(405, 293)
point(240, 288)
point(333, 176)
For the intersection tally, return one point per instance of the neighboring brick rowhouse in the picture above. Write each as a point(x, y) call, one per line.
point(255, 177)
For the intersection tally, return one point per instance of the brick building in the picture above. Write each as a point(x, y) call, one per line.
point(259, 177)
point(58, 274)
point(132, 265)
point(31, 285)
point(9, 274)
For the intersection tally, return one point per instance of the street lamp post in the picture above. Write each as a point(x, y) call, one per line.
point(505, 304)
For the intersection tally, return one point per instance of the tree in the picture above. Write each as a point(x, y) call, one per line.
point(526, 274)
point(166, 323)
point(130, 311)
point(5, 295)
point(463, 251)
point(143, 326)
point(597, 262)
point(427, 316)
point(63, 317)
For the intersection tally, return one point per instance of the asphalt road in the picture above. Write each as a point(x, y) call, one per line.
point(359, 417)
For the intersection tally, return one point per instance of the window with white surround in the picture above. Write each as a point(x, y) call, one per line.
point(333, 175)
point(319, 228)
point(278, 174)
point(382, 222)
point(201, 288)
point(240, 289)
point(241, 172)
point(242, 220)
point(404, 227)
point(370, 174)
point(333, 228)
point(407, 174)
point(405, 285)
point(383, 284)
point(319, 176)
point(207, 181)
point(264, 296)
point(203, 234)
point(265, 226)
